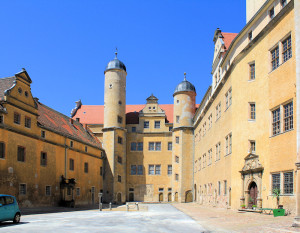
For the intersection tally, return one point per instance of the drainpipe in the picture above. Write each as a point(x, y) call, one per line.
point(297, 58)
point(66, 153)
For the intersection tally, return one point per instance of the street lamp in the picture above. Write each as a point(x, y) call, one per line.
point(100, 201)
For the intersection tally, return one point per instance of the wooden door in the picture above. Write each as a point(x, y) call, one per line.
point(176, 196)
point(131, 196)
point(253, 194)
point(161, 197)
point(169, 197)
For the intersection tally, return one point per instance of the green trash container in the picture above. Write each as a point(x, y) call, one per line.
point(278, 212)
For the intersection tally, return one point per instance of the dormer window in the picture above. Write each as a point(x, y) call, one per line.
point(271, 13)
point(250, 35)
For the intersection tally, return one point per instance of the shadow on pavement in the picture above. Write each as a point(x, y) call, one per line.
point(8, 224)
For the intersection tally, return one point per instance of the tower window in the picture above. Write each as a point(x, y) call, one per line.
point(120, 119)
point(177, 119)
point(120, 140)
point(86, 167)
point(119, 179)
point(43, 159)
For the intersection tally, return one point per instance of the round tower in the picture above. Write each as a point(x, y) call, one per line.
point(115, 94)
point(184, 104)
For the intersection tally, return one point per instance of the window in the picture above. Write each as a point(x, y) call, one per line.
point(120, 159)
point(176, 159)
point(252, 111)
point(218, 111)
point(22, 189)
point(252, 147)
point(176, 177)
point(86, 167)
point(169, 145)
point(86, 149)
point(2, 150)
point(218, 151)
point(219, 188)
point(177, 140)
point(160, 189)
point(71, 143)
point(120, 119)
point(154, 146)
point(133, 129)
point(170, 189)
point(21, 154)
point(157, 170)
point(131, 189)
point(288, 182)
point(283, 3)
point(288, 116)
point(170, 128)
point(77, 191)
point(210, 157)
point(228, 144)
point(43, 159)
point(133, 146)
point(1, 119)
point(287, 49)
point(275, 58)
point(252, 71)
point(275, 181)
point(27, 122)
point(177, 119)
point(146, 124)
point(120, 140)
point(133, 170)
point(250, 35)
point(225, 187)
point(151, 169)
point(157, 124)
point(204, 160)
point(140, 170)
point(276, 121)
point(228, 98)
point(210, 121)
point(71, 164)
point(199, 167)
point(17, 118)
point(119, 178)
point(271, 13)
point(169, 169)
point(204, 129)
point(43, 134)
point(48, 190)
point(101, 171)
point(140, 146)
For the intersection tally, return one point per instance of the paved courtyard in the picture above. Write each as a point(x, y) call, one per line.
point(158, 218)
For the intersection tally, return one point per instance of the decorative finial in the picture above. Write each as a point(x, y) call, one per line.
point(184, 76)
point(116, 52)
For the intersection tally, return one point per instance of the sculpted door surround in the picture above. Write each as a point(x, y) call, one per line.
point(251, 172)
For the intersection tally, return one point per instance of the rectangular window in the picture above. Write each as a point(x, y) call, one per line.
point(225, 187)
point(252, 111)
point(276, 121)
point(146, 124)
point(157, 124)
point(228, 98)
point(120, 140)
point(252, 71)
point(101, 171)
point(250, 36)
point(120, 159)
point(219, 188)
point(43, 159)
point(77, 191)
point(22, 189)
point(288, 183)
point(169, 169)
point(170, 128)
point(140, 146)
point(275, 181)
point(176, 159)
point(177, 140)
point(204, 129)
point(2, 150)
point(86, 149)
point(287, 49)
point(158, 146)
point(43, 134)
point(140, 170)
point(71, 143)
point(204, 160)
point(157, 170)
point(176, 177)
point(283, 3)
point(86, 168)
point(119, 179)
point(151, 169)
point(218, 151)
point(27, 122)
point(169, 145)
point(218, 111)
point(48, 190)
point(133, 170)
point(21, 154)
point(177, 119)
point(120, 120)
point(17, 118)
point(133, 146)
point(210, 121)
point(271, 13)
point(71, 164)
point(1, 119)
point(154, 146)
point(151, 146)
point(275, 58)
point(288, 116)
point(252, 146)
point(210, 157)
point(160, 189)
point(199, 166)
point(133, 129)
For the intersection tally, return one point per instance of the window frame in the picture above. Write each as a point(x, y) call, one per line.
point(27, 123)
point(2, 150)
point(274, 58)
point(23, 192)
point(71, 164)
point(252, 71)
point(24, 154)
point(157, 124)
point(17, 118)
point(86, 167)
point(146, 124)
point(288, 116)
point(43, 159)
point(287, 52)
point(48, 194)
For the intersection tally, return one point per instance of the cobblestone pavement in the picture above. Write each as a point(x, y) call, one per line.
point(158, 218)
point(223, 220)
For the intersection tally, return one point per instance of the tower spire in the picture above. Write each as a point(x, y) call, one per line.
point(116, 53)
point(184, 76)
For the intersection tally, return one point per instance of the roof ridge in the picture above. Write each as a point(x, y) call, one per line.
point(8, 77)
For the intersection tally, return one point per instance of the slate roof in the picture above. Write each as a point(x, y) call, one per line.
point(6, 83)
point(60, 123)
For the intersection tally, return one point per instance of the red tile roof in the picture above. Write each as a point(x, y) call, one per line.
point(61, 124)
point(94, 114)
point(228, 38)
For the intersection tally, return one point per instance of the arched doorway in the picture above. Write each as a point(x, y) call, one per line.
point(161, 197)
point(176, 196)
point(131, 196)
point(188, 196)
point(169, 197)
point(252, 194)
point(119, 198)
point(195, 192)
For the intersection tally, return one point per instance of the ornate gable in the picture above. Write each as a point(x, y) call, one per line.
point(252, 164)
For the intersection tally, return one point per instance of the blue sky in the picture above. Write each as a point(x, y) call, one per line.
point(65, 45)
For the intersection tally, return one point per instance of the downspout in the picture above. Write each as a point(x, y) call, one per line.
point(297, 58)
point(193, 166)
point(66, 153)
